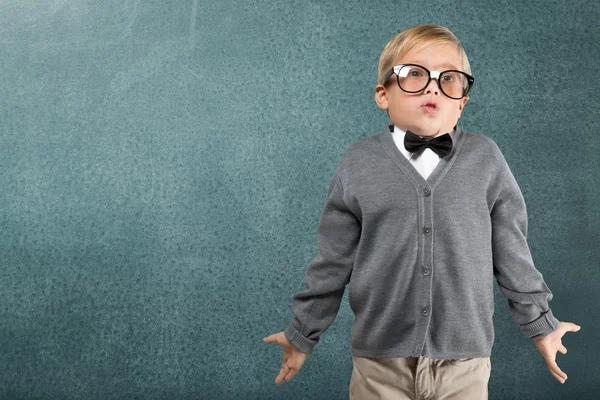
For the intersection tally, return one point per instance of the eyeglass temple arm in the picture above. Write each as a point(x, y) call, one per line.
point(387, 76)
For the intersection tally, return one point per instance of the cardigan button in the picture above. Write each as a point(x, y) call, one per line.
point(427, 230)
point(426, 270)
point(425, 311)
point(427, 191)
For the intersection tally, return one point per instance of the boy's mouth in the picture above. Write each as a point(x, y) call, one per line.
point(430, 106)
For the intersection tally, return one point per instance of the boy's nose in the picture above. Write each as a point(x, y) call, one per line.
point(432, 86)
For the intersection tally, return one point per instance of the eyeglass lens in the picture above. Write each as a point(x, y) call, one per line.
point(414, 79)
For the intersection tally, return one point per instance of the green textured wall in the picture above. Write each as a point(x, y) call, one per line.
point(164, 165)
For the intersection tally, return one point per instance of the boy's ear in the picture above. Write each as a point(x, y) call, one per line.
point(381, 97)
point(463, 101)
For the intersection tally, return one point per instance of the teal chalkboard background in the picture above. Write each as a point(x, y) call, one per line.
point(164, 165)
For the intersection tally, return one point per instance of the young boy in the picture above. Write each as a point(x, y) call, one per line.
point(418, 220)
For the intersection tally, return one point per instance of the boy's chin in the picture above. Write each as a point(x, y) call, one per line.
point(431, 130)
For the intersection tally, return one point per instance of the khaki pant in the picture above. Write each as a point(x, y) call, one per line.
point(419, 378)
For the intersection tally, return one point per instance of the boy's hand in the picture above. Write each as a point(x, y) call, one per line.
point(548, 345)
point(292, 357)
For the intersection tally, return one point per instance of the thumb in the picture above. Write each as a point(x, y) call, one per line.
point(269, 339)
point(274, 338)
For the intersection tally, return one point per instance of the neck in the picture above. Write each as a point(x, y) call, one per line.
point(428, 134)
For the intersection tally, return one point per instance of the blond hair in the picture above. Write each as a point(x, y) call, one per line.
point(419, 37)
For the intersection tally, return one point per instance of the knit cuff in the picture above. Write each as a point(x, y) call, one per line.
point(542, 326)
point(300, 342)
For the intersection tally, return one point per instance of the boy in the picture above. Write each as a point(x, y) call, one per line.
point(418, 220)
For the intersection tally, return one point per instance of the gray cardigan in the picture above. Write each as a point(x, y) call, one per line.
point(419, 255)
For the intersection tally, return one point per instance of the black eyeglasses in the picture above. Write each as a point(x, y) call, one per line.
point(413, 78)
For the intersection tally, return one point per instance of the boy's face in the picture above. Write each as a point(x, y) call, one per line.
point(405, 110)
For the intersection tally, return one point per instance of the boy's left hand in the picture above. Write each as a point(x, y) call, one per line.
point(548, 345)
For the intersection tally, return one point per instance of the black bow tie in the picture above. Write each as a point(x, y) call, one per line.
point(442, 145)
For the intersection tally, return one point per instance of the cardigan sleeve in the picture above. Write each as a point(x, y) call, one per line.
point(518, 279)
point(316, 306)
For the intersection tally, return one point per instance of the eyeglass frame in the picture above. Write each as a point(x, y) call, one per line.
point(432, 75)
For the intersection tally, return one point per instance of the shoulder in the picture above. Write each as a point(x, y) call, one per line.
point(482, 141)
point(359, 154)
point(364, 147)
point(485, 147)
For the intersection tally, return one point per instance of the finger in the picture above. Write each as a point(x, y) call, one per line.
point(269, 339)
point(555, 368)
point(291, 374)
point(570, 327)
point(557, 377)
point(562, 349)
point(282, 374)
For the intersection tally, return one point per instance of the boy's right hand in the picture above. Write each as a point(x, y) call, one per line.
point(292, 357)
